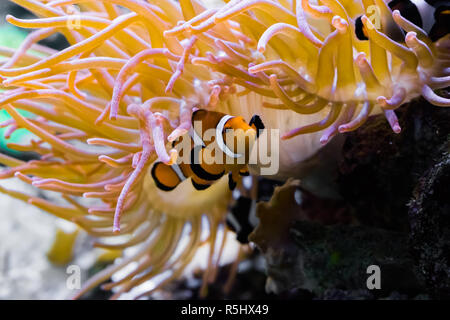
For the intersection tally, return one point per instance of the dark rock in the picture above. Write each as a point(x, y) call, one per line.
point(377, 176)
point(380, 168)
point(429, 214)
point(337, 257)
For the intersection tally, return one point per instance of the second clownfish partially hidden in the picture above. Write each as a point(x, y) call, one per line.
point(227, 151)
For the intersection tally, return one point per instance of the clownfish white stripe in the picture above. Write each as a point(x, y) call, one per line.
point(176, 168)
point(426, 12)
point(219, 138)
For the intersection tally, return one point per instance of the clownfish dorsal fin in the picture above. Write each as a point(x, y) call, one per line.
point(198, 115)
point(257, 124)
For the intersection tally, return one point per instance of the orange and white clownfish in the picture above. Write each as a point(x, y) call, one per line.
point(202, 165)
point(433, 16)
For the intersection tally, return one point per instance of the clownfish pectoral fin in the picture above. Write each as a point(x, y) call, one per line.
point(257, 124)
point(167, 177)
point(231, 183)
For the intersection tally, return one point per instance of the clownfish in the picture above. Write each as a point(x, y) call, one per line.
point(433, 16)
point(230, 140)
point(242, 218)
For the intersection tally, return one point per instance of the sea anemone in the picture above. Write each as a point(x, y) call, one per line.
point(105, 109)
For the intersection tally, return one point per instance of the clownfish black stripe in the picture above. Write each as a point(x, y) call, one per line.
point(359, 29)
point(242, 219)
point(231, 183)
point(205, 175)
point(195, 153)
point(199, 171)
point(244, 173)
point(199, 186)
